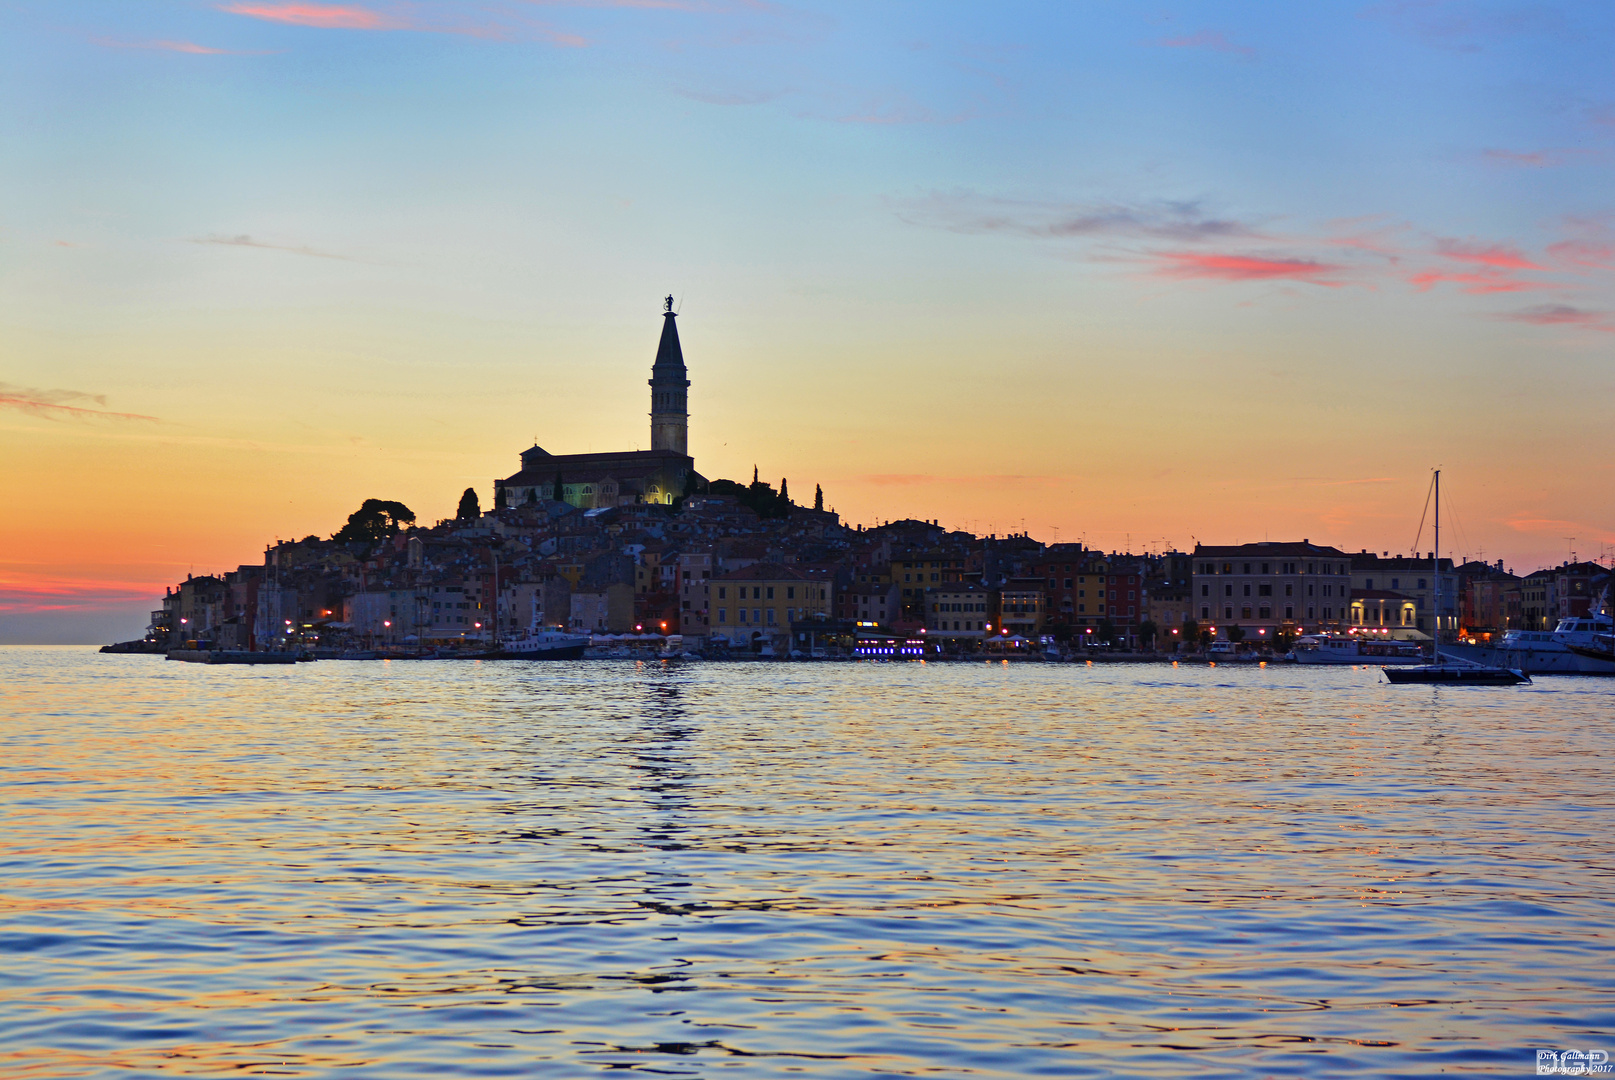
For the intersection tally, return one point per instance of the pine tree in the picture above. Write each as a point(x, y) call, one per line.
point(754, 474)
point(501, 497)
point(532, 496)
point(470, 506)
point(784, 492)
point(818, 497)
point(560, 487)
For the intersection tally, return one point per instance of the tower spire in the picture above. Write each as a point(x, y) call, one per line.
point(669, 389)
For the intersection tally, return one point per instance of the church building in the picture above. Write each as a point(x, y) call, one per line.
point(590, 481)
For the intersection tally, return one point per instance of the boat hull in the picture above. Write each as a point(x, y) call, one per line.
point(1455, 675)
point(552, 652)
point(1541, 661)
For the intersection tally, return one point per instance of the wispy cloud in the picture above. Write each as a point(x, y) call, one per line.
point(439, 18)
point(1223, 267)
point(248, 242)
point(60, 404)
point(1497, 256)
point(1159, 219)
point(1207, 39)
point(1533, 159)
point(1562, 315)
point(1496, 268)
point(24, 593)
point(1590, 245)
point(1475, 282)
point(190, 47)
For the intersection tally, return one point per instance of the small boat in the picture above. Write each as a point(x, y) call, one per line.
point(537, 644)
point(1457, 673)
point(1351, 649)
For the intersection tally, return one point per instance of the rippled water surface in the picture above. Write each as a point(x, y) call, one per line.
point(755, 870)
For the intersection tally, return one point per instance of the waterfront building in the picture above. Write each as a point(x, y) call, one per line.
point(761, 601)
point(958, 613)
point(1021, 607)
point(1415, 579)
point(1381, 609)
point(1271, 587)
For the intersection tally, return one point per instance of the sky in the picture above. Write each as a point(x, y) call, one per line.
point(1134, 275)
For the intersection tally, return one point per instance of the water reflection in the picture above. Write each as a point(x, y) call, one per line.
point(832, 870)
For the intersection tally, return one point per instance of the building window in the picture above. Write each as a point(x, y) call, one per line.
point(1228, 613)
point(723, 592)
point(723, 614)
point(1289, 612)
point(770, 592)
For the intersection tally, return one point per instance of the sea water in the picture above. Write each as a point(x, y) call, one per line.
point(428, 869)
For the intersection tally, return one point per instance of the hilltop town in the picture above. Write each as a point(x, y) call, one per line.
point(638, 545)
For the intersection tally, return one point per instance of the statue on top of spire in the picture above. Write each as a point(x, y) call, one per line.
point(667, 305)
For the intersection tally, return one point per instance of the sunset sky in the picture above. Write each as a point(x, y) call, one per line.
point(1137, 275)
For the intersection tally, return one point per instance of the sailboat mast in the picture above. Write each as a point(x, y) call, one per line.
point(1435, 649)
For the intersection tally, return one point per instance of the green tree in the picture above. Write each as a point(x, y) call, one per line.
point(560, 487)
point(818, 497)
point(501, 497)
point(532, 496)
point(784, 491)
point(376, 519)
point(1236, 633)
point(1189, 632)
point(470, 508)
point(1146, 633)
point(1107, 631)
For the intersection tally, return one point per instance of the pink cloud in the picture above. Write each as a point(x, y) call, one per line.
point(325, 16)
point(1207, 39)
point(1585, 254)
point(170, 46)
point(29, 593)
point(1477, 282)
point(1496, 256)
point(1193, 264)
point(54, 404)
point(1532, 159)
point(432, 20)
point(1562, 315)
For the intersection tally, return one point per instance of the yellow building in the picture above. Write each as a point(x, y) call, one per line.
point(763, 599)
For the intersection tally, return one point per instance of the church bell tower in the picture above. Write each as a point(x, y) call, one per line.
point(669, 390)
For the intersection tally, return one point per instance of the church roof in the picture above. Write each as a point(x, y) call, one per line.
point(587, 468)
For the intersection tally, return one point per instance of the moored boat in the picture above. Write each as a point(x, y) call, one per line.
point(1355, 649)
point(1457, 674)
point(536, 644)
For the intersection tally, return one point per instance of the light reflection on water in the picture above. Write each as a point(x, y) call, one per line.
point(428, 869)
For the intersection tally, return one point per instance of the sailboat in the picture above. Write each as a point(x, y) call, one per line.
point(1452, 672)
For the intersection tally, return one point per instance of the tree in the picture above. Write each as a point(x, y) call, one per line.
point(1146, 632)
point(818, 497)
point(376, 519)
point(1107, 631)
point(470, 508)
point(691, 485)
point(784, 491)
point(1236, 633)
point(532, 496)
point(560, 487)
point(501, 497)
point(1190, 631)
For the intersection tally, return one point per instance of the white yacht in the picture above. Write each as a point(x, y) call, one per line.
point(1581, 645)
point(537, 643)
